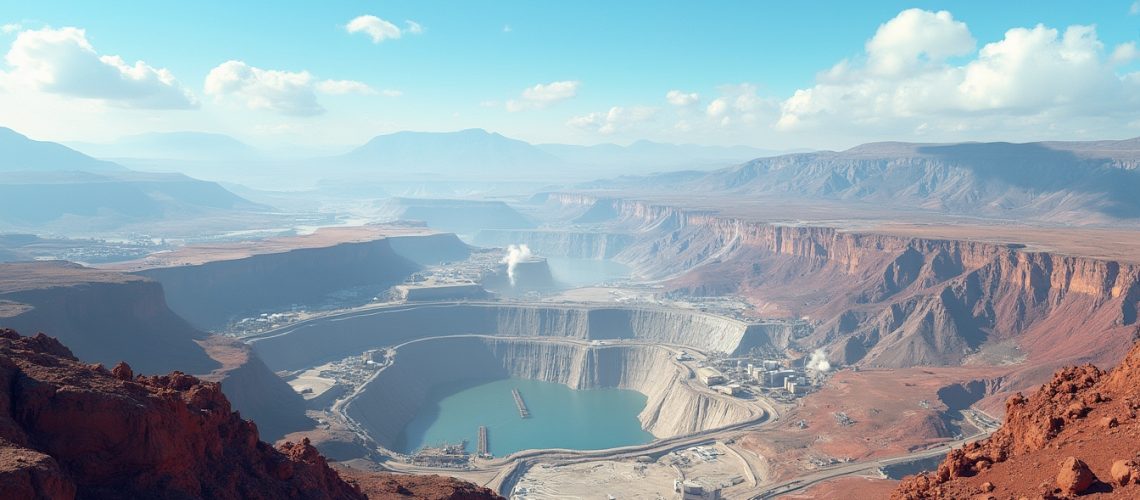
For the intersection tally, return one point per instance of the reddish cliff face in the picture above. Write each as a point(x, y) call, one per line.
point(380, 486)
point(72, 430)
point(110, 316)
point(1079, 434)
point(69, 429)
point(885, 300)
point(105, 316)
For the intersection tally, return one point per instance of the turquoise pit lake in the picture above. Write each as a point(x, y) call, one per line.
point(560, 417)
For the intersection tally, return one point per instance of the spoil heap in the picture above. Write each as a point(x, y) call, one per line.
point(1079, 434)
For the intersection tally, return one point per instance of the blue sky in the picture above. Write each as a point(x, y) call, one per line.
point(597, 71)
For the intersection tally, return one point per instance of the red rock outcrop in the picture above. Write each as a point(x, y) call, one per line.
point(74, 430)
point(383, 486)
point(1079, 434)
point(108, 316)
point(68, 429)
point(71, 429)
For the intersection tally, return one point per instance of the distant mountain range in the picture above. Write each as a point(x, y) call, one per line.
point(48, 187)
point(476, 153)
point(467, 155)
point(19, 153)
point(194, 146)
point(655, 155)
point(1068, 182)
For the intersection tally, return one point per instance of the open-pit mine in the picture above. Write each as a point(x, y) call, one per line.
point(640, 346)
point(744, 356)
point(755, 251)
point(623, 342)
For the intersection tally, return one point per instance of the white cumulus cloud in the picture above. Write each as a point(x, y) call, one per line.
point(544, 94)
point(379, 30)
point(285, 92)
point(917, 37)
point(911, 83)
point(617, 119)
point(10, 28)
point(62, 61)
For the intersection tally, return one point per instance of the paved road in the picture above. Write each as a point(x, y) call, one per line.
point(799, 483)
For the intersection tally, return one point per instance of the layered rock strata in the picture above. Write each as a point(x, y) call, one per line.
point(314, 342)
point(885, 300)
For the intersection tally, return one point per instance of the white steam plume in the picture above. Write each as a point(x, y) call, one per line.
point(818, 362)
point(515, 253)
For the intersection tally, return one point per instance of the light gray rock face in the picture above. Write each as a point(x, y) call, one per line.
point(674, 405)
point(315, 342)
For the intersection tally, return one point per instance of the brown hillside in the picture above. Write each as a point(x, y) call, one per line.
point(1078, 435)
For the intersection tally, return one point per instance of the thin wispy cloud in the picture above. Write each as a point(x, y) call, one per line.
point(616, 119)
point(379, 29)
point(290, 93)
point(544, 94)
point(682, 99)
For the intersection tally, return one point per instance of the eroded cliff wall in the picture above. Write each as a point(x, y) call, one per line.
point(214, 293)
point(108, 317)
point(106, 320)
point(886, 300)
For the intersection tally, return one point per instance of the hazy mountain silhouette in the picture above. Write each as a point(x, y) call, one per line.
point(18, 152)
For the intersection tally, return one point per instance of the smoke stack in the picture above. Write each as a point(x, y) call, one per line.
point(515, 254)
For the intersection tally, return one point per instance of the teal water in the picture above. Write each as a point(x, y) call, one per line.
point(585, 272)
point(560, 417)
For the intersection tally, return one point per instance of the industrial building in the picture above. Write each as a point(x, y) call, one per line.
point(776, 378)
point(710, 376)
point(692, 490)
point(732, 389)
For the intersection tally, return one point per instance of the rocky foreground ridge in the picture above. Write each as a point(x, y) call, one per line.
point(73, 430)
point(1078, 435)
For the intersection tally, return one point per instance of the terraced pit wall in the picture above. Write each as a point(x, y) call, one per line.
point(316, 342)
point(674, 407)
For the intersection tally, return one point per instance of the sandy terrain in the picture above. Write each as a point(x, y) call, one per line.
point(23, 276)
point(892, 412)
point(846, 488)
point(632, 479)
